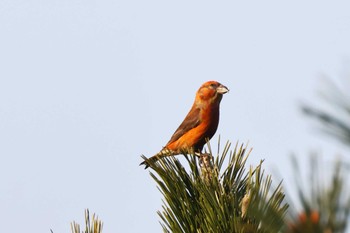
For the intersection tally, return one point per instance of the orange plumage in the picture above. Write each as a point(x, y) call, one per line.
point(199, 125)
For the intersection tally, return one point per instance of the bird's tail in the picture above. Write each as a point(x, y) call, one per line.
point(148, 161)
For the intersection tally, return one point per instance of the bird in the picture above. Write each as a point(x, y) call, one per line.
point(199, 125)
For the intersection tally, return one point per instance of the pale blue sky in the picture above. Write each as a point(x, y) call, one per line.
point(86, 87)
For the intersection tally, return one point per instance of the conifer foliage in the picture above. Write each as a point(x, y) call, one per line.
point(324, 198)
point(93, 225)
point(218, 194)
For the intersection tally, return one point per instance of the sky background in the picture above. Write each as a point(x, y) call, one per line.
point(86, 87)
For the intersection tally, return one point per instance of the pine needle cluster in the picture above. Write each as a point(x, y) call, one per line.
point(93, 225)
point(325, 199)
point(210, 197)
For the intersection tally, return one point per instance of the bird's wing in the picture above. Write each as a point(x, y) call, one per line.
point(191, 121)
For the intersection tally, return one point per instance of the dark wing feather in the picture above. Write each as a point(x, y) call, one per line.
point(191, 121)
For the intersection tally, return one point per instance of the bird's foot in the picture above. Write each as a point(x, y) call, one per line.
point(205, 160)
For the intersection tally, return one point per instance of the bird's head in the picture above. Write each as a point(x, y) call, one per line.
point(211, 91)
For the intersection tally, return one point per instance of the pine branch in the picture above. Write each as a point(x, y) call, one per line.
point(325, 200)
point(91, 226)
point(334, 121)
point(208, 197)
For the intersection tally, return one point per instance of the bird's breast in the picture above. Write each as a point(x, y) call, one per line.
point(210, 121)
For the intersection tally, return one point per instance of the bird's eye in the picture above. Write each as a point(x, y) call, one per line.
point(213, 85)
